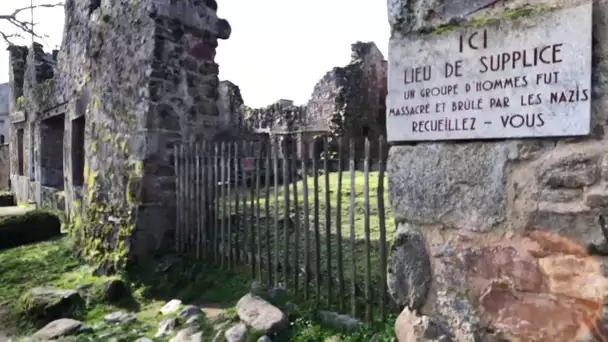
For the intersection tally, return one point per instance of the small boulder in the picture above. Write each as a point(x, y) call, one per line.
point(111, 290)
point(189, 334)
point(144, 339)
point(171, 307)
point(192, 320)
point(412, 328)
point(237, 333)
point(264, 339)
point(46, 304)
point(166, 327)
point(119, 317)
point(189, 310)
point(261, 315)
point(61, 328)
point(340, 322)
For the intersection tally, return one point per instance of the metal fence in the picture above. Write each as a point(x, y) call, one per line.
point(311, 223)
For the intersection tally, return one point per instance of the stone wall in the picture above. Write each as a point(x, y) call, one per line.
point(4, 167)
point(465, 210)
point(142, 77)
point(349, 100)
point(4, 119)
point(231, 110)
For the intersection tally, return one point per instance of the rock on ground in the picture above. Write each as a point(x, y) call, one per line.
point(341, 322)
point(188, 334)
point(61, 328)
point(119, 317)
point(237, 333)
point(47, 304)
point(261, 315)
point(111, 290)
point(189, 310)
point(167, 326)
point(171, 307)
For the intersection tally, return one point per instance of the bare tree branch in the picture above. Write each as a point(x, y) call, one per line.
point(23, 25)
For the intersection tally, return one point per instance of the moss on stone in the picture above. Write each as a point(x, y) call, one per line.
point(350, 102)
point(19, 103)
point(102, 232)
point(43, 305)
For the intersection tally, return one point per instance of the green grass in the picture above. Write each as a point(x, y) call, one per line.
point(268, 240)
point(52, 263)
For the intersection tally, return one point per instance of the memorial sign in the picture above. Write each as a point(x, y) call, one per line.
point(524, 77)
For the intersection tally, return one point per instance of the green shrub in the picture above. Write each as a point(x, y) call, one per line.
point(7, 199)
point(33, 226)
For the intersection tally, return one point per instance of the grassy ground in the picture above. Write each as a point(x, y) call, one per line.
point(52, 264)
point(269, 239)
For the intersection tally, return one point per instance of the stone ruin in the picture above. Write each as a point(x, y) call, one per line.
point(231, 110)
point(94, 124)
point(348, 102)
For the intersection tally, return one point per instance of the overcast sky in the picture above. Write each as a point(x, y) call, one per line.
point(278, 48)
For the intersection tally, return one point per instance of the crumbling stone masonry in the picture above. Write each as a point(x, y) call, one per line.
point(4, 167)
point(231, 110)
point(280, 121)
point(349, 101)
point(468, 255)
point(131, 79)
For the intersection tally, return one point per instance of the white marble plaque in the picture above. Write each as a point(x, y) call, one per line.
point(525, 77)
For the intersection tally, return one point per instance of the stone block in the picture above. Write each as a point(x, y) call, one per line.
point(458, 185)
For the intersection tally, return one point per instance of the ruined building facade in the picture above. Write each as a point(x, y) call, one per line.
point(96, 123)
point(348, 101)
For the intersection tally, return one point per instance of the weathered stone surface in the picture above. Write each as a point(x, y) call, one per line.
point(159, 57)
point(47, 304)
point(474, 201)
point(189, 310)
point(449, 188)
point(572, 172)
point(409, 269)
point(540, 287)
point(338, 321)
point(112, 290)
point(4, 166)
point(597, 197)
point(61, 328)
point(166, 327)
point(231, 109)
point(189, 334)
point(261, 315)
point(171, 307)
point(237, 333)
point(119, 317)
point(347, 101)
point(412, 328)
